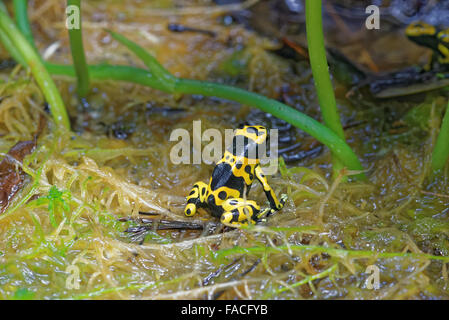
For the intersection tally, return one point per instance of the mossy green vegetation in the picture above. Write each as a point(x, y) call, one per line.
point(25, 53)
point(68, 215)
point(159, 77)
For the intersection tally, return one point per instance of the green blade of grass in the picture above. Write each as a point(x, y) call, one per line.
point(286, 113)
point(188, 86)
point(440, 153)
point(307, 279)
point(339, 253)
point(165, 77)
point(78, 55)
point(15, 54)
point(323, 134)
point(33, 61)
point(8, 44)
point(20, 9)
point(320, 70)
point(159, 78)
point(110, 72)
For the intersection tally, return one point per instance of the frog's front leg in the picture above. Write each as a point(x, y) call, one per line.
point(239, 212)
point(432, 62)
point(444, 54)
point(275, 204)
point(443, 47)
point(196, 198)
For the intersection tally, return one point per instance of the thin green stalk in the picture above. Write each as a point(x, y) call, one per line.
point(440, 152)
point(78, 55)
point(307, 279)
point(15, 54)
point(159, 78)
point(110, 72)
point(20, 13)
point(144, 286)
point(320, 70)
point(279, 110)
point(340, 253)
point(187, 86)
point(163, 75)
point(33, 60)
point(7, 43)
point(286, 113)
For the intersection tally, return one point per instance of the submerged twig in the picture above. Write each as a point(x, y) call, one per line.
point(148, 224)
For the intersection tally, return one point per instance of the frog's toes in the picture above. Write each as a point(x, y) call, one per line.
point(262, 220)
point(190, 209)
point(284, 198)
point(282, 201)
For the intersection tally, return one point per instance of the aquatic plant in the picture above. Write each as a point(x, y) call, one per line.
point(320, 70)
point(319, 246)
point(77, 49)
point(159, 78)
point(440, 153)
point(24, 53)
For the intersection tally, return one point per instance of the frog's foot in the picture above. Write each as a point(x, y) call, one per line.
point(283, 199)
point(190, 209)
point(265, 213)
point(195, 198)
point(262, 215)
point(239, 212)
point(281, 204)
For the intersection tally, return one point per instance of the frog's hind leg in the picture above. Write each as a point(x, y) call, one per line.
point(196, 198)
point(238, 212)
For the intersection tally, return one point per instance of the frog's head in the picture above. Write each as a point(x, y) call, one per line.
point(248, 141)
point(257, 134)
point(423, 34)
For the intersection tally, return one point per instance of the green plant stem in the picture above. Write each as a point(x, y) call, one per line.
point(162, 74)
point(286, 113)
point(111, 72)
point(159, 78)
point(320, 70)
point(440, 152)
point(33, 61)
point(307, 279)
point(340, 253)
point(15, 54)
point(188, 86)
point(279, 110)
point(78, 55)
point(20, 13)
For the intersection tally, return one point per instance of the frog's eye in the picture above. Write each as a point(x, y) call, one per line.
point(252, 130)
point(257, 130)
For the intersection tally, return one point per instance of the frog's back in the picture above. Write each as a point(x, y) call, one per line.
point(223, 176)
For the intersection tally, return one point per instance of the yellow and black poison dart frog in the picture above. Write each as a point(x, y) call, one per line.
point(225, 195)
point(431, 37)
